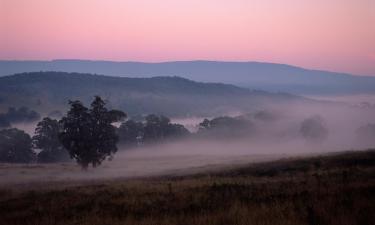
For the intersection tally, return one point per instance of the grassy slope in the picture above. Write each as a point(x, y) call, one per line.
point(335, 189)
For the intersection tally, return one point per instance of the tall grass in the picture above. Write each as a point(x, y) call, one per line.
point(337, 189)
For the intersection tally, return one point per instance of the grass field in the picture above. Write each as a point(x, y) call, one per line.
point(331, 189)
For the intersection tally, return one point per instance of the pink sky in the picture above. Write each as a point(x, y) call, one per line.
point(337, 35)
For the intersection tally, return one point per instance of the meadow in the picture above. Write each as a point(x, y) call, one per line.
point(335, 188)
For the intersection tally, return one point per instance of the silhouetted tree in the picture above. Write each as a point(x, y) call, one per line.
point(130, 133)
point(314, 129)
point(177, 130)
point(15, 146)
point(76, 133)
point(46, 139)
point(88, 134)
point(153, 130)
point(226, 126)
point(265, 116)
point(204, 125)
point(158, 128)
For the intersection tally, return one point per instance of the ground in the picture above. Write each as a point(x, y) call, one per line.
point(335, 188)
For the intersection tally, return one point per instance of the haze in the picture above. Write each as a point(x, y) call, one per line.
point(332, 35)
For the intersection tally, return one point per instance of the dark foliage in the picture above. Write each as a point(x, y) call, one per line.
point(88, 134)
point(131, 133)
point(154, 129)
point(158, 128)
point(46, 139)
point(226, 127)
point(22, 114)
point(265, 116)
point(15, 146)
point(314, 129)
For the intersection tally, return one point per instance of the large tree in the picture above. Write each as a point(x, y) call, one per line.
point(15, 146)
point(88, 134)
point(46, 139)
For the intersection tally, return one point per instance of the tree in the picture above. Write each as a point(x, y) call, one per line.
point(75, 135)
point(88, 134)
point(177, 130)
point(15, 146)
point(204, 125)
point(153, 128)
point(46, 139)
point(225, 126)
point(314, 129)
point(159, 128)
point(265, 116)
point(130, 133)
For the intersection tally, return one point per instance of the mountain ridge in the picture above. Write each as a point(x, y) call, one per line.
point(254, 75)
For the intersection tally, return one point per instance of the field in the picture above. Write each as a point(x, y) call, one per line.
point(335, 188)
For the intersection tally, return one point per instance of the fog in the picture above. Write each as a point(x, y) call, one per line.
point(279, 137)
point(349, 99)
point(273, 137)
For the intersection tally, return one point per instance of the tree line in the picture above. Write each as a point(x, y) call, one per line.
point(86, 135)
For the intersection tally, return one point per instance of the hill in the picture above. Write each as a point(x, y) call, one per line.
point(172, 96)
point(254, 75)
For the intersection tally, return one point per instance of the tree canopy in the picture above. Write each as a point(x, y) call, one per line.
point(15, 146)
point(88, 134)
point(154, 128)
point(46, 139)
point(131, 133)
point(226, 126)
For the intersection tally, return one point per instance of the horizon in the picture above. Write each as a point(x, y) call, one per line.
point(330, 36)
point(193, 60)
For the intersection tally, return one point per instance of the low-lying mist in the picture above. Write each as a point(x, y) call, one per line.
point(277, 128)
point(277, 131)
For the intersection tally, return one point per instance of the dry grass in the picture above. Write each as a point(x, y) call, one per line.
point(336, 189)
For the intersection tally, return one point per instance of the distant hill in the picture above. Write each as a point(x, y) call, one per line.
point(172, 96)
point(254, 75)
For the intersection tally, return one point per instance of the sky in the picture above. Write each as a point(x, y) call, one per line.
point(335, 35)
